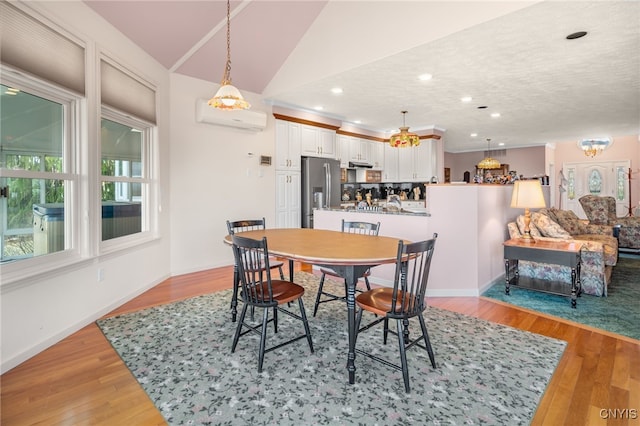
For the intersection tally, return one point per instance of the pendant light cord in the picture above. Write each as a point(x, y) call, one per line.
point(227, 72)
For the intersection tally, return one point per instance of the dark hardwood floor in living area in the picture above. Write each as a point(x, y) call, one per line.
point(82, 381)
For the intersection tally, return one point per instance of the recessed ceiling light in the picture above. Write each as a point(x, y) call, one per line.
point(358, 121)
point(466, 99)
point(495, 114)
point(483, 107)
point(576, 35)
point(318, 108)
point(336, 90)
point(474, 135)
point(425, 77)
point(501, 144)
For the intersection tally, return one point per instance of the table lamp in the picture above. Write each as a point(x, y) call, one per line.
point(527, 194)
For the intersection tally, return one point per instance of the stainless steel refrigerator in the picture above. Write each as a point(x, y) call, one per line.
point(320, 186)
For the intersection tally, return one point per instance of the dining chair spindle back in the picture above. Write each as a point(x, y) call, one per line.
point(260, 291)
point(365, 228)
point(243, 226)
point(404, 301)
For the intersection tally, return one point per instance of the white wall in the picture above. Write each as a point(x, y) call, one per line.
point(471, 224)
point(213, 179)
point(39, 312)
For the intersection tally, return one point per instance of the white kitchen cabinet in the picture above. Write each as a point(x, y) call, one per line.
point(287, 146)
point(317, 142)
point(342, 150)
point(416, 164)
point(390, 173)
point(359, 149)
point(288, 199)
point(376, 154)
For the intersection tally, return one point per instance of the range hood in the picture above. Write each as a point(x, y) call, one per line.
point(359, 165)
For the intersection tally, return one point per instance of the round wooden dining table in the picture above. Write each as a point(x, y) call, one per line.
point(349, 255)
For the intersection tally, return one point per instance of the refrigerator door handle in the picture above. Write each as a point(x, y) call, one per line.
point(327, 177)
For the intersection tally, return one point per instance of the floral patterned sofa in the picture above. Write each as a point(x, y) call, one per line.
point(599, 251)
point(602, 211)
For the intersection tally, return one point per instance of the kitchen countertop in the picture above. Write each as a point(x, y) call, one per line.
point(407, 212)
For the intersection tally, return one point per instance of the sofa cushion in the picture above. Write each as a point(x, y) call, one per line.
point(569, 221)
point(548, 227)
point(532, 227)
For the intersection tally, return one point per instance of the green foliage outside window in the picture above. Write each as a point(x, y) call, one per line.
point(24, 193)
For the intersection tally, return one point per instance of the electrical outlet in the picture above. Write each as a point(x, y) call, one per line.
point(100, 275)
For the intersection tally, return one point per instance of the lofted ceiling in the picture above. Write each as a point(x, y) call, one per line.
point(511, 57)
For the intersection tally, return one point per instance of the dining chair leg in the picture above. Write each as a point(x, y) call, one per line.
point(263, 338)
point(386, 331)
point(405, 331)
point(275, 320)
point(403, 356)
point(427, 342)
point(234, 297)
point(320, 286)
point(239, 328)
point(307, 331)
point(366, 282)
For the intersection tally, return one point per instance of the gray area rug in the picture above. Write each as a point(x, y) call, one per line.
point(180, 354)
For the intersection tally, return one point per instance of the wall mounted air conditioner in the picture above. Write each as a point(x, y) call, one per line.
point(242, 119)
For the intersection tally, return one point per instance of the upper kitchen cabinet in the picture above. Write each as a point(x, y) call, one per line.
point(317, 142)
point(417, 164)
point(359, 150)
point(287, 145)
point(342, 150)
point(376, 154)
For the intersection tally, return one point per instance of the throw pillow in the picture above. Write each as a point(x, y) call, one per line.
point(547, 227)
point(569, 221)
point(532, 227)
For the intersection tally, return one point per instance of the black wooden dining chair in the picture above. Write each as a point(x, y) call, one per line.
point(323, 296)
point(260, 291)
point(242, 226)
point(404, 301)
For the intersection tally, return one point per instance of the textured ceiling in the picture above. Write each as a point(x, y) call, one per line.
point(512, 57)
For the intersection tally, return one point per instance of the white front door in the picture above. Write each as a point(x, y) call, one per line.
point(609, 178)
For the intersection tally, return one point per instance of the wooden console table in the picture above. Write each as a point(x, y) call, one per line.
point(558, 253)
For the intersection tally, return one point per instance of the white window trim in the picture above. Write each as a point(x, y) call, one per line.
point(27, 268)
point(149, 217)
point(82, 239)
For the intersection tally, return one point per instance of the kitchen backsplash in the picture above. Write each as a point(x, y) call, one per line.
point(380, 191)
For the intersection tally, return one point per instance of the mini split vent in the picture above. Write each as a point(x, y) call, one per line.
point(242, 119)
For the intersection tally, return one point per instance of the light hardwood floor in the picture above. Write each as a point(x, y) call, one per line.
point(82, 381)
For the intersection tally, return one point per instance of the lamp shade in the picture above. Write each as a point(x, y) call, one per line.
point(527, 194)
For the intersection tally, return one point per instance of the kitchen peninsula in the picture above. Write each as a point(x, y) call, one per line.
point(471, 223)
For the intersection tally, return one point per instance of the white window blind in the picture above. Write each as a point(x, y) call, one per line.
point(127, 94)
point(30, 45)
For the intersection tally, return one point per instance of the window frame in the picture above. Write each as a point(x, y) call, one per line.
point(147, 181)
point(82, 174)
point(73, 105)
